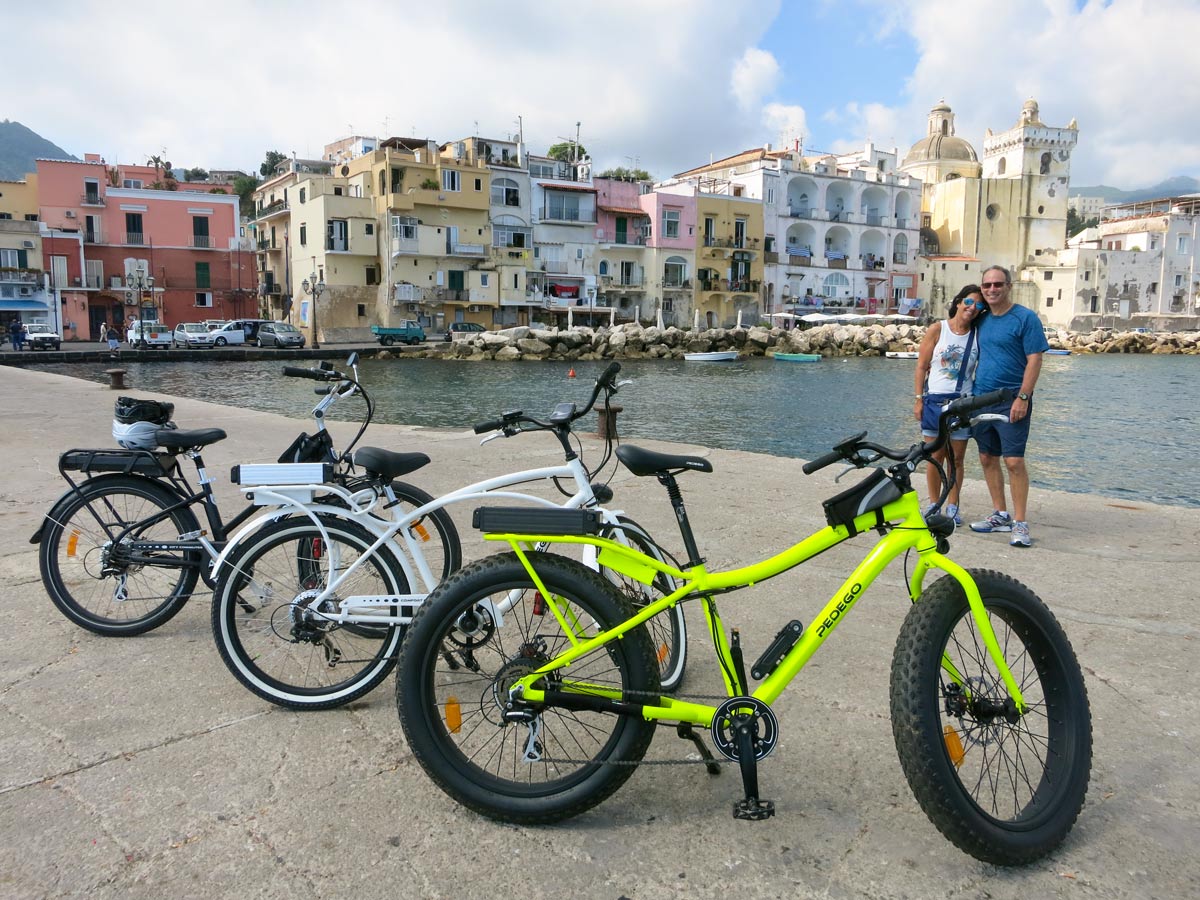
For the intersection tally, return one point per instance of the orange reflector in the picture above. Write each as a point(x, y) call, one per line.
point(954, 746)
point(663, 652)
point(73, 542)
point(453, 715)
point(421, 532)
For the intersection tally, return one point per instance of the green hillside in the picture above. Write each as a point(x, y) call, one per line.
point(1172, 187)
point(19, 147)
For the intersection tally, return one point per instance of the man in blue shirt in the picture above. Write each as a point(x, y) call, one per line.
point(1011, 344)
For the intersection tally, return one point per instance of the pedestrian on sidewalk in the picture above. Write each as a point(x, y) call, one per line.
point(16, 332)
point(1011, 344)
point(114, 339)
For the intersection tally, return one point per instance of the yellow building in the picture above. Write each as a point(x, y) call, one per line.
point(729, 260)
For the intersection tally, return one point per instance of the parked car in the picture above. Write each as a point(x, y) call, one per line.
point(406, 331)
point(1140, 330)
point(459, 330)
point(191, 334)
point(156, 334)
point(279, 334)
point(229, 333)
point(42, 337)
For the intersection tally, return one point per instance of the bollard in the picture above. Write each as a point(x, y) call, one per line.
point(116, 378)
point(607, 425)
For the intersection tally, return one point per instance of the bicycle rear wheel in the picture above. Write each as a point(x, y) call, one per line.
point(279, 646)
point(1004, 787)
point(668, 630)
point(482, 629)
point(435, 532)
point(93, 581)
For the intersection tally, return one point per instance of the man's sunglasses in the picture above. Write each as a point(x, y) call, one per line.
point(995, 284)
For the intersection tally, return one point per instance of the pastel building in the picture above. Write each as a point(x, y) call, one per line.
point(670, 254)
point(622, 256)
point(25, 292)
point(99, 235)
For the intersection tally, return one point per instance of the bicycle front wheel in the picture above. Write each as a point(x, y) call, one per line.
point(1005, 787)
point(668, 630)
point(276, 642)
point(484, 628)
point(106, 578)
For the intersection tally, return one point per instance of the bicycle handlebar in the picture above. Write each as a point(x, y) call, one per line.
point(509, 421)
point(314, 374)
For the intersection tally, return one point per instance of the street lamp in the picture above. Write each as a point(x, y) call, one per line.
point(315, 289)
point(139, 281)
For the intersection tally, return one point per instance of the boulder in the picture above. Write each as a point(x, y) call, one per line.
point(533, 347)
point(492, 340)
point(515, 333)
point(759, 337)
point(509, 353)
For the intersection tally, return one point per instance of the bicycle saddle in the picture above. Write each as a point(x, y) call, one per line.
point(387, 464)
point(177, 439)
point(648, 462)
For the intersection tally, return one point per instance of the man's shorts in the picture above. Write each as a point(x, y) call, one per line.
point(1002, 438)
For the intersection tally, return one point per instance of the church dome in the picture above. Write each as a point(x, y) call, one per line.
point(940, 142)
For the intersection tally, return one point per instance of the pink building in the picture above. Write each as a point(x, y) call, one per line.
point(188, 242)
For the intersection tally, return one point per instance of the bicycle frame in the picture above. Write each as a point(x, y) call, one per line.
point(911, 533)
point(294, 498)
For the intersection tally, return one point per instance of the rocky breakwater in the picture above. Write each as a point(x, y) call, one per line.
point(630, 341)
point(1105, 340)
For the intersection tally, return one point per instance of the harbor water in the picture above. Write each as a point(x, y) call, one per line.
point(1123, 426)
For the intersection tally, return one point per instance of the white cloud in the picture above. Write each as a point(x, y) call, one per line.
point(755, 75)
point(785, 123)
point(652, 80)
point(1125, 69)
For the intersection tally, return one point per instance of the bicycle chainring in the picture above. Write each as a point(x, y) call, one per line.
point(738, 711)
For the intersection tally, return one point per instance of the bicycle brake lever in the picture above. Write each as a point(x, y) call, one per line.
point(622, 384)
point(989, 417)
point(843, 472)
point(492, 437)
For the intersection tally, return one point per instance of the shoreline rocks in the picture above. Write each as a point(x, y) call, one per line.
point(629, 341)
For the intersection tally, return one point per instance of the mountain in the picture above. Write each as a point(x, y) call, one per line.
point(19, 147)
point(1172, 187)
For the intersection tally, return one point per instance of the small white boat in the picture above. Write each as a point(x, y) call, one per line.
point(902, 354)
point(1058, 352)
point(714, 356)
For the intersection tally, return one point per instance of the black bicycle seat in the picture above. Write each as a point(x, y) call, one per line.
point(177, 439)
point(648, 462)
point(387, 463)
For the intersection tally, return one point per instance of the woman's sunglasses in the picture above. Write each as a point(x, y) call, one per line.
point(978, 304)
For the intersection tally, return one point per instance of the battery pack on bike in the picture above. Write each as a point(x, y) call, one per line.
point(296, 481)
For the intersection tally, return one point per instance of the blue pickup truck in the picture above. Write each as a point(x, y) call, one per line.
point(408, 331)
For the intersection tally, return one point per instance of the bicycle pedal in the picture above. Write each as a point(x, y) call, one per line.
point(752, 809)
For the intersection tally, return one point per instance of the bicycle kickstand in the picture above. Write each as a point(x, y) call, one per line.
point(750, 808)
point(686, 732)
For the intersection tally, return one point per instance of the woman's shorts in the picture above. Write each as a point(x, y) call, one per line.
point(931, 409)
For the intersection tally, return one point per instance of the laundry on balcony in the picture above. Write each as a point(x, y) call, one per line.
point(562, 290)
point(800, 251)
point(834, 254)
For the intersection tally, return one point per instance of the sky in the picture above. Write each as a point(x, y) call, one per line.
point(662, 85)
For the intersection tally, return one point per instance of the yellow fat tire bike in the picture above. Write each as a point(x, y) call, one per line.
point(535, 711)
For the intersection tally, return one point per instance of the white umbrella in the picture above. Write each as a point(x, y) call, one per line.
point(817, 317)
point(783, 315)
point(896, 317)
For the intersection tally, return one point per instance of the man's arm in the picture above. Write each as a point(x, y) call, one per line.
point(1033, 368)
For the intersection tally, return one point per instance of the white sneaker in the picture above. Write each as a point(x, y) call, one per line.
point(952, 512)
point(997, 521)
point(1020, 535)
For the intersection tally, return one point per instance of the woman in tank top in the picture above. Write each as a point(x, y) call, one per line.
point(946, 364)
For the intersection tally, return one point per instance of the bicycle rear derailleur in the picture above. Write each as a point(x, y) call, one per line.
point(745, 730)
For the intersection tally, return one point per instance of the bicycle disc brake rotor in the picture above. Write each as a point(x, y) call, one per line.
point(736, 711)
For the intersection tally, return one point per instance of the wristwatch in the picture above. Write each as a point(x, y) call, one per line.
point(1023, 396)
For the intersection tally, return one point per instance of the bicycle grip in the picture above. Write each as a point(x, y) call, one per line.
point(970, 404)
point(296, 372)
point(609, 374)
point(493, 425)
point(821, 462)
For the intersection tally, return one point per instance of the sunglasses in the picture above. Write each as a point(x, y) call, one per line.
point(995, 284)
point(978, 304)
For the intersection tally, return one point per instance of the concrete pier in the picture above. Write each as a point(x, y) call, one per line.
point(139, 768)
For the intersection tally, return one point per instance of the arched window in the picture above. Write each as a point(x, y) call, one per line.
point(945, 128)
point(900, 249)
point(674, 271)
point(505, 192)
point(1045, 170)
point(603, 271)
point(1002, 165)
point(833, 282)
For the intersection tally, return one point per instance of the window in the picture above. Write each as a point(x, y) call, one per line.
point(404, 228)
point(336, 235)
point(1181, 244)
point(31, 217)
point(670, 223)
point(478, 184)
point(562, 206)
point(133, 228)
point(1045, 167)
point(1154, 287)
point(483, 279)
point(1178, 281)
point(134, 183)
point(203, 277)
point(302, 192)
point(303, 235)
point(204, 298)
point(510, 233)
point(603, 270)
point(451, 180)
point(1087, 276)
point(9, 259)
point(771, 194)
point(372, 276)
point(200, 237)
point(1047, 276)
point(1154, 243)
point(1001, 166)
point(362, 310)
point(91, 190)
point(505, 192)
point(674, 271)
point(833, 282)
point(337, 192)
point(5, 216)
point(739, 233)
point(541, 170)
point(668, 305)
point(370, 229)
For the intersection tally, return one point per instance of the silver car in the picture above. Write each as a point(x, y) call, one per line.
point(191, 335)
point(279, 334)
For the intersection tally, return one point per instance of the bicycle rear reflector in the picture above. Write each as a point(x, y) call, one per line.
point(73, 543)
point(453, 715)
point(421, 532)
point(954, 746)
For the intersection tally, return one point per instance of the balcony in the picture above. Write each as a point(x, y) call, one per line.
point(553, 266)
point(800, 212)
point(446, 294)
point(770, 256)
point(454, 248)
point(675, 284)
point(873, 219)
point(568, 216)
point(275, 209)
point(21, 276)
point(136, 238)
point(405, 245)
point(265, 244)
point(201, 242)
point(91, 237)
point(900, 259)
point(632, 240)
point(903, 223)
point(90, 199)
point(621, 282)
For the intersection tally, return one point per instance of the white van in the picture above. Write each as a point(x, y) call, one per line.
point(229, 333)
point(157, 335)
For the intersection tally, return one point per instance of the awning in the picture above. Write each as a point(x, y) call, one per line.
point(23, 306)
point(567, 187)
point(563, 290)
point(624, 210)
